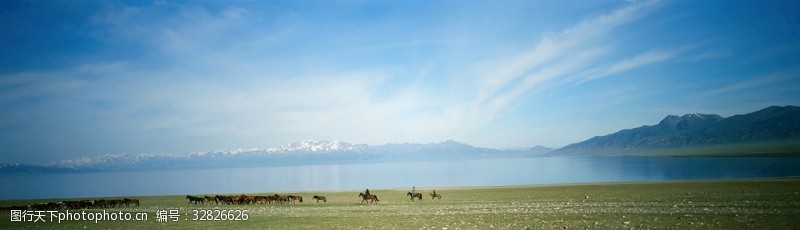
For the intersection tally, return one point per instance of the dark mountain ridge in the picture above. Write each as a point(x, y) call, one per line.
point(695, 130)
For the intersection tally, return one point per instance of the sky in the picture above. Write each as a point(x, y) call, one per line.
point(84, 78)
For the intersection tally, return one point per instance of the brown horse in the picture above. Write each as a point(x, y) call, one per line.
point(436, 196)
point(282, 199)
point(234, 199)
point(274, 199)
point(322, 198)
point(293, 198)
point(370, 197)
point(261, 199)
point(415, 195)
point(245, 199)
point(195, 200)
point(210, 199)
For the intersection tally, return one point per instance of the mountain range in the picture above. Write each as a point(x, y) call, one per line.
point(771, 131)
point(307, 152)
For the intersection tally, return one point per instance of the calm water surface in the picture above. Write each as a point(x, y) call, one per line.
point(480, 172)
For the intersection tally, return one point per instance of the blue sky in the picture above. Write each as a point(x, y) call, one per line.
point(82, 78)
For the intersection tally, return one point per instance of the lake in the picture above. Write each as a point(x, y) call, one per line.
point(423, 175)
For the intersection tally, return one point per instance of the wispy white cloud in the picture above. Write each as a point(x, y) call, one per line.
point(22, 87)
point(627, 64)
point(643, 59)
point(712, 55)
point(556, 56)
point(189, 31)
point(755, 82)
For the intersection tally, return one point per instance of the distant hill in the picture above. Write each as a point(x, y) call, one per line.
point(539, 150)
point(299, 153)
point(771, 131)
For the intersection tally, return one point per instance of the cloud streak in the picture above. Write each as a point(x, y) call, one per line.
point(627, 64)
point(754, 83)
point(557, 56)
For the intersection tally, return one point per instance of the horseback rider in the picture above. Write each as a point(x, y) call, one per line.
point(367, 192)
point(434, 192)
point(413, 191)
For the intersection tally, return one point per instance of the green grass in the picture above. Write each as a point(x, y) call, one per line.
point(768, 204)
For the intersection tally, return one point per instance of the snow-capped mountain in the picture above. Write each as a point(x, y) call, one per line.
point(110, 159)
point(318, 146)
point(298, 153)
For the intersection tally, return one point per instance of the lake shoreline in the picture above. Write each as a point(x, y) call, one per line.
point(424, 189)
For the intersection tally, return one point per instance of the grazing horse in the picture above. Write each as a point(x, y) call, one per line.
point(372, 198)
point(196, 200)
point(322, 198)
point(437, 196)
point(415, 195)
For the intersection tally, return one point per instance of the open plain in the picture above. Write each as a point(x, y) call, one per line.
point(725, 204)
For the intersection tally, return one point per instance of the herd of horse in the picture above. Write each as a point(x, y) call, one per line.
point(78, 204)
point(194, 200)
point(283, 199)
point(245, 199)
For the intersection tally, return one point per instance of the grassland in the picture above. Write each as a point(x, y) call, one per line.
point(766, 203)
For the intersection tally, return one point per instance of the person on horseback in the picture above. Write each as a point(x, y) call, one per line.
point(434, 192)
point(367, 192)
point(413, 191)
